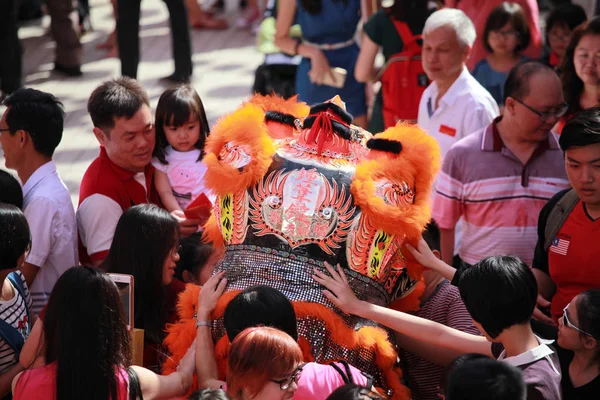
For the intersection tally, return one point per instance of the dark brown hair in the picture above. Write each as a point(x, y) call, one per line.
point(505, 13)
point(175, 108)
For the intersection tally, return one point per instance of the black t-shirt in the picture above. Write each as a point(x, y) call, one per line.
point(589, 391)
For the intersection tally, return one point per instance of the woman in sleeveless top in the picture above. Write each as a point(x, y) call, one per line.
point(87, 348)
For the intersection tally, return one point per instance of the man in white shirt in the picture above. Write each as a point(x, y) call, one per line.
point(30, 130)
point(455, 104)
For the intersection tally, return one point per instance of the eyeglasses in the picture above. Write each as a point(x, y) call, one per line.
point(504, 34)
point(284, 384)
point(545, 116)
point(569, 324)
point(4, 130)
point(559, 38)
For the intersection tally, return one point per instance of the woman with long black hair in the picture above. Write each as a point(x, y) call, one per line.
point(88, 348)
point(146, 245)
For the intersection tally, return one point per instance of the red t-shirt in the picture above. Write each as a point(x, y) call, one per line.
point(573, 258)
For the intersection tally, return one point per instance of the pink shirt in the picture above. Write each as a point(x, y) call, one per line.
point(479, 10)
point(319, 380)
point(443, 306)
point(40, 384)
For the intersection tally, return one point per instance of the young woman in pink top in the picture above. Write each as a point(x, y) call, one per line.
point(88, 350)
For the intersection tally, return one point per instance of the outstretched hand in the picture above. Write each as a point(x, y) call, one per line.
point(339, 291)
point(423, 254)
point(210, 294)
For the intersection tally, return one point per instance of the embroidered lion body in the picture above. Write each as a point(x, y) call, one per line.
point(296, 188)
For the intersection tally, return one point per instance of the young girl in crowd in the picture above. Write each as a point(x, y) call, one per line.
point(579, 346)
point(181, 130)
point(146, 245)
point(15, 300)
point(506, 34)
point(197, 260)
point(264, 363)
point(88, 348)
point(560, 24)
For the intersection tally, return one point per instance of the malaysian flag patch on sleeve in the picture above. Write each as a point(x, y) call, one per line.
point(560, 246)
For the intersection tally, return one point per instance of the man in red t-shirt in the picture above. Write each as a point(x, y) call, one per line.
point(570, 265)
point(122, 175)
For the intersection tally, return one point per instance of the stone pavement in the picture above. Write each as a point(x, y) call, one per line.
point(224, 64)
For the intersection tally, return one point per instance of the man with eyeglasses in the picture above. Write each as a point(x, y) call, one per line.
point(567, 252)
point(499, 178)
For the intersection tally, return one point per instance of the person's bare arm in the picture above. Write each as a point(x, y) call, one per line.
point(447, 245)
point(286, 13)
point(429, 332)
point(34, 346)
point(29, 272)
point(364, 70)
point(206, 365)
point(14, 381)
point(7, 377)
point(426, 258)
point(436, 354)
point(546, 286)
point(165, 191)
point(167, 386)
point(546, 290)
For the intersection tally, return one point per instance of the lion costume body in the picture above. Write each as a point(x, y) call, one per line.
point(297, 187)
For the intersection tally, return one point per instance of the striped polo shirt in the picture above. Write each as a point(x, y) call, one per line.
point(444, 306)
point(497, 196)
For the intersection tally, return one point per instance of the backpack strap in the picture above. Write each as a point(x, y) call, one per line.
point(9, 333)
point(135, 389)
point(405, 34)
point(17, 282)
point(347, 375)
point(12, 337)
point(558, 215)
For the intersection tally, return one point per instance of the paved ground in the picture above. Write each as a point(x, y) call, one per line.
point(224, 65)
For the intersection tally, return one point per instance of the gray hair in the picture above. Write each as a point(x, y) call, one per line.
point(455, 20)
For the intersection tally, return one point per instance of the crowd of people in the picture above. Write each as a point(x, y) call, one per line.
point(511, 305)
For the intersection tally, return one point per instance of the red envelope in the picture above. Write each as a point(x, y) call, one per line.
point(200, 208)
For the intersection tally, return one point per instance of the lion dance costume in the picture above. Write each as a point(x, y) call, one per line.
point(297, 187)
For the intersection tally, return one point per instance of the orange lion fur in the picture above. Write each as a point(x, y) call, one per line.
point(272, 102)
point(417, 164)
point(244, 127)
point(182, 334)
